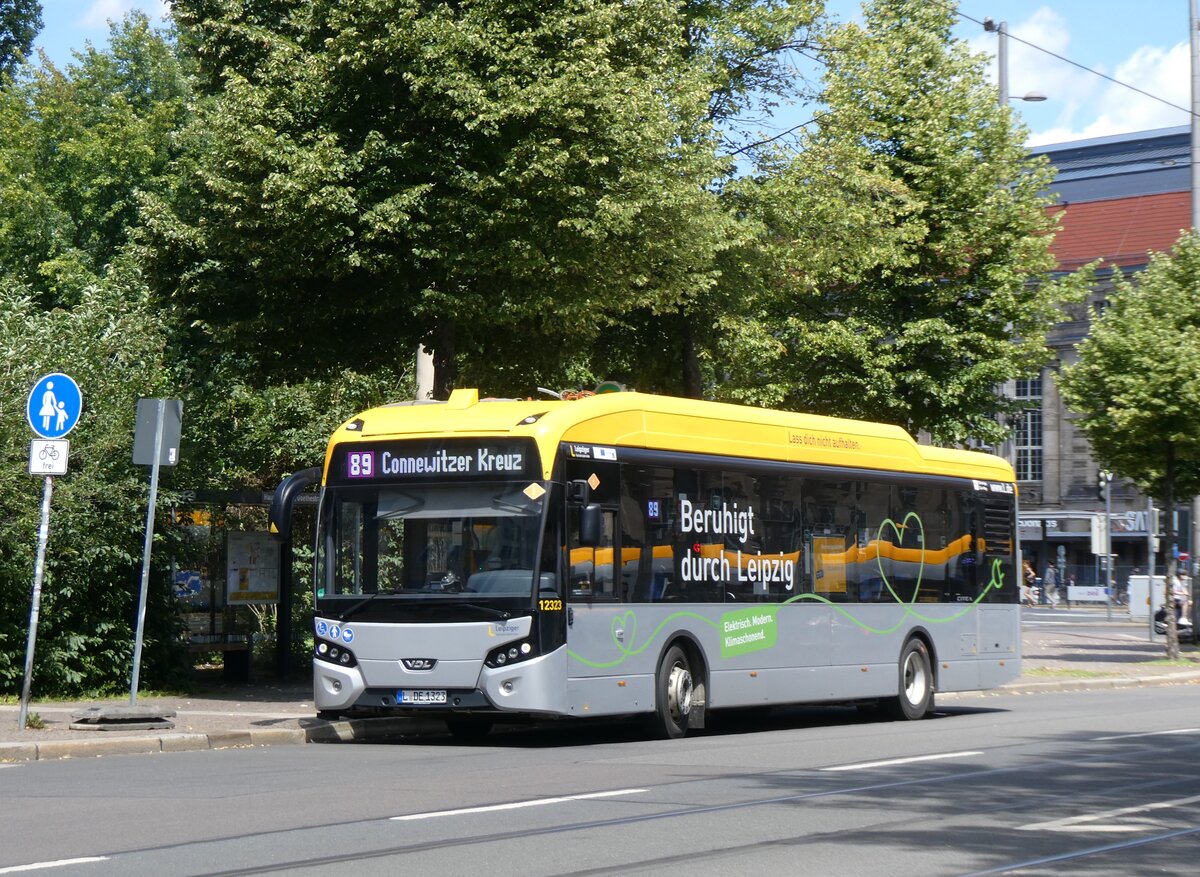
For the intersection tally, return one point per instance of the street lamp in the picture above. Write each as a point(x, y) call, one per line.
point(1001, 30)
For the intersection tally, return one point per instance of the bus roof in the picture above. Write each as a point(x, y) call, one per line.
point(642, 420)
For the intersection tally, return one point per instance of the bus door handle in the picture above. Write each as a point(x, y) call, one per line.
point(619, 633)
point(570, 617)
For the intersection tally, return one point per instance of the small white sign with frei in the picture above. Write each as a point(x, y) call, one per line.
point(48, 457)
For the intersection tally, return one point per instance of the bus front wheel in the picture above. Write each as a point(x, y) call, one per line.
point(916, 683)
point(673, 695)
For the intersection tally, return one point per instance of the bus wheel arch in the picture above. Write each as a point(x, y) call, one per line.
point(917, 679)
point(680, 689)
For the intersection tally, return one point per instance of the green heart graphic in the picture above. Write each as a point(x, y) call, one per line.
point(898, 530)
point(628, 621)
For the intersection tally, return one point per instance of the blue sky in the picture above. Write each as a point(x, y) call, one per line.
point(1143, 44)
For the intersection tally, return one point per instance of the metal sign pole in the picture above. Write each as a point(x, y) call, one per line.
point(141, 618)
point(38, 571)
point(1108, 552)
point(1150, 534)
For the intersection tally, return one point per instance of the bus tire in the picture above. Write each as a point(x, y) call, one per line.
point(673, 690)
point(468, 728)
point(915, 699)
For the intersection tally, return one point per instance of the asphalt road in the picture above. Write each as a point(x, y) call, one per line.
point(1099, 783)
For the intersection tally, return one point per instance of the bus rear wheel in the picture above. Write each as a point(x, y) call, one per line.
point(916, 684)
point(673, 691)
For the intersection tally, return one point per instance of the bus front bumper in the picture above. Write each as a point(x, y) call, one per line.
point(533, 686)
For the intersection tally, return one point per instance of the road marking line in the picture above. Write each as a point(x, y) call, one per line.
point(38, 866)
point(1079, 823)
point(1148, 734)
point(1048, 623)
point(866, 764)
point(516, 805)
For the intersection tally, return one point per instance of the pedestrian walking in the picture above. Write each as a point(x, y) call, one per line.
point(1050, 582)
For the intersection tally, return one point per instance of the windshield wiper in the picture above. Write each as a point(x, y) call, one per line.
point(502, 614)
point(353, 608)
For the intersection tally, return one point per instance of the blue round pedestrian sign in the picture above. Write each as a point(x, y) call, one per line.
point(54, 406)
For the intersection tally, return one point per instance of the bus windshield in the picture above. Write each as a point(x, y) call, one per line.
point(422, 541)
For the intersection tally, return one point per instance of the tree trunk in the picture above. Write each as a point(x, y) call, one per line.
point(445, 363)
point(692, 384)
point(1169, 535)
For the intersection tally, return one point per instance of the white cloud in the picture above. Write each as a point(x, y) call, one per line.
point(1079, 103)
point(1033, 45)
point(101, 12)
point(1164, 73)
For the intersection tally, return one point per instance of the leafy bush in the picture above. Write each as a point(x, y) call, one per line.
point(112, 342)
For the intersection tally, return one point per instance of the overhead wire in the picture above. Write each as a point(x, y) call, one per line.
point(953, 8)
point(1084, 67)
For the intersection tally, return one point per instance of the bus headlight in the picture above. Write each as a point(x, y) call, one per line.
point(334, 653)
point(510, 654)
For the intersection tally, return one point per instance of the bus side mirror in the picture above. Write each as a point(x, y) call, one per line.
point(579, 492)
point(589, 525)
point(280, 516)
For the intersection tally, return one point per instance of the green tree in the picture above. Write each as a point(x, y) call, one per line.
point(77, 148)
point(902, 270)
point(1136, 385)
point(103, 137)
point(367, 176)
point(34, 229)
point(20, 22)
point(745, 51)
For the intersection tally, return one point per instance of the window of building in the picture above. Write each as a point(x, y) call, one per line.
point(1027, 437)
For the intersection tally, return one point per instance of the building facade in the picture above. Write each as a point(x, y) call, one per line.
point(1118, 199)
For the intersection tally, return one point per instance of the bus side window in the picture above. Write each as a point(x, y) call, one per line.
point(647, 557)
point(591, 574)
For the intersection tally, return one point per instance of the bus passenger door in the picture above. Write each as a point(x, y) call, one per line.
point(600, 632)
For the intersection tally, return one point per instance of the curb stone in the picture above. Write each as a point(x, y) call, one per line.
point(181, 742)
point(1104, 683)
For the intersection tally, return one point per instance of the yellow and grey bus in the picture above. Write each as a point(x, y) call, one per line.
point(624, 554)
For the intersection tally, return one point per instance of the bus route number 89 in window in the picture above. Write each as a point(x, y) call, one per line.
point(360, 464)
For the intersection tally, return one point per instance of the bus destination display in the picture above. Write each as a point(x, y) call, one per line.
point(405, 461)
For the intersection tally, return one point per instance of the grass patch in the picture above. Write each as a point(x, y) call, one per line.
point(1064, 673)
point(95, 695)
point(1182, 662)
point(34, 722)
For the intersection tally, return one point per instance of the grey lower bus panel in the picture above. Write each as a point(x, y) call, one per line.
point(820, 655)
